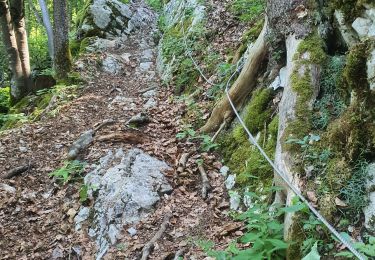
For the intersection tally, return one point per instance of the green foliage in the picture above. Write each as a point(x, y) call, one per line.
point(155, 4)
point(263, 236)
point(330, 104)
point(248, 10)
point(354, 192)
point(190, 134)
point(70, 170)
point(366, 249)
point(4, 100)
point(38, 47)
point(350, 8)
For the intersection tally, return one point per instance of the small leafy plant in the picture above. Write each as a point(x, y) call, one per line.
point(263, 238)
point(70, 169)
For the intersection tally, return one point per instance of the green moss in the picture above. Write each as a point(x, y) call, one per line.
point(355, 71)
point(314, 46)
point(244, 159)
point(252, 34)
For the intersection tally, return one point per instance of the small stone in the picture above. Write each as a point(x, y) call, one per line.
point(71, 213)
point(7, 188)
point(132, 231)
point(151, 103)
point(235, 200)
point(145, 66)
point(149, 94)
point(113, 232)
point(23, 149)
point(57, 253)
point(224, 170)
point(362, 26)
point(230, 181)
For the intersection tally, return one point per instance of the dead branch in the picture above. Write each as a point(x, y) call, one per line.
point(146, 90)
point(16, 171)
point(222, 126)
point(105, 123)
point(205, 181)
point(147, 249)
point(183, 160)
point(131, 138)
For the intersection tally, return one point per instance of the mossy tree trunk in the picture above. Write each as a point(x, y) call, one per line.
point(62, 59)
point(242, 87)
point(18, 87)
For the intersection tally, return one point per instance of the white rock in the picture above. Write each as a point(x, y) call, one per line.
point(128, 185)
point(370, 14)
point(235, 200)
point(145, 66)
point(224, 170)
point(112, 65)
point(369, 211)
point(7, 188)
point(149, 94)
point(132, 231)
point(371, 70)
point(151, 103)
point(230, 181)
point(362, 26)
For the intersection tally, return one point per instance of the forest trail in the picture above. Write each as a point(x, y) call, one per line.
point(37, 214)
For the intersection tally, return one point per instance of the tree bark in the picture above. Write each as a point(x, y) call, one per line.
point(242, 87)
point(62, 59)
point(18, 18)
point(48, 26)
point(18, 88)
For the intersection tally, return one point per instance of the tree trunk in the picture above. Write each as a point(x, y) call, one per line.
point(18, 18)
point(18, 88)
point(242, 87)
point(62, 60)
point(48, 26)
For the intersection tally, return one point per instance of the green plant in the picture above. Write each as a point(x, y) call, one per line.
point(206, 143)
point(263, 237)
point(155, 4)
point(248, 10)
point(70, 169)
point(354, 192)
point(367, 249)
point(186, 133)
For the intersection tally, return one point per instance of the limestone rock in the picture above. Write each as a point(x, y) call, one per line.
point(347, 33)
point(362, 26)
point(112, 18)
point(369, 211)
point(112, 65)
point(371, 70)
point(127, 186)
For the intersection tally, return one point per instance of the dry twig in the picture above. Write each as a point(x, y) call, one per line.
point(183, 160)
point(150, 245)
point(131, 138)
point(205, 181)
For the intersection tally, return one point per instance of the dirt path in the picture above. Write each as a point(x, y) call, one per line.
point(36, 220)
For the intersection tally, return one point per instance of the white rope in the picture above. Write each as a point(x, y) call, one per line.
point(276, 169)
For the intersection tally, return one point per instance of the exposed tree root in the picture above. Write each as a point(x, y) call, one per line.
point(222, 126)
point(242, 87)
point(147, 249)
point(206, 187)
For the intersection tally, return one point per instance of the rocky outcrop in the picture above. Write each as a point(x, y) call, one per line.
point(174, 14)
point(111, 18)
point(369, 211)
point(125, 186)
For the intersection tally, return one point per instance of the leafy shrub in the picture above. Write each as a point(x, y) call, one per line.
point(4, 100)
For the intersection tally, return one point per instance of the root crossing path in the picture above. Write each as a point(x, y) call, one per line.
point(43, 219)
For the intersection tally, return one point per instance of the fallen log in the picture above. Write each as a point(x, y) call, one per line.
point(206, 187)
point(16, 171)
point(130, 137)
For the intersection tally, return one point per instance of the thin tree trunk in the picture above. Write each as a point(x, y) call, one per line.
point(62, 60)
point(18, 18)
point(37, 16)
point(18, 88)
point(48, 26)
